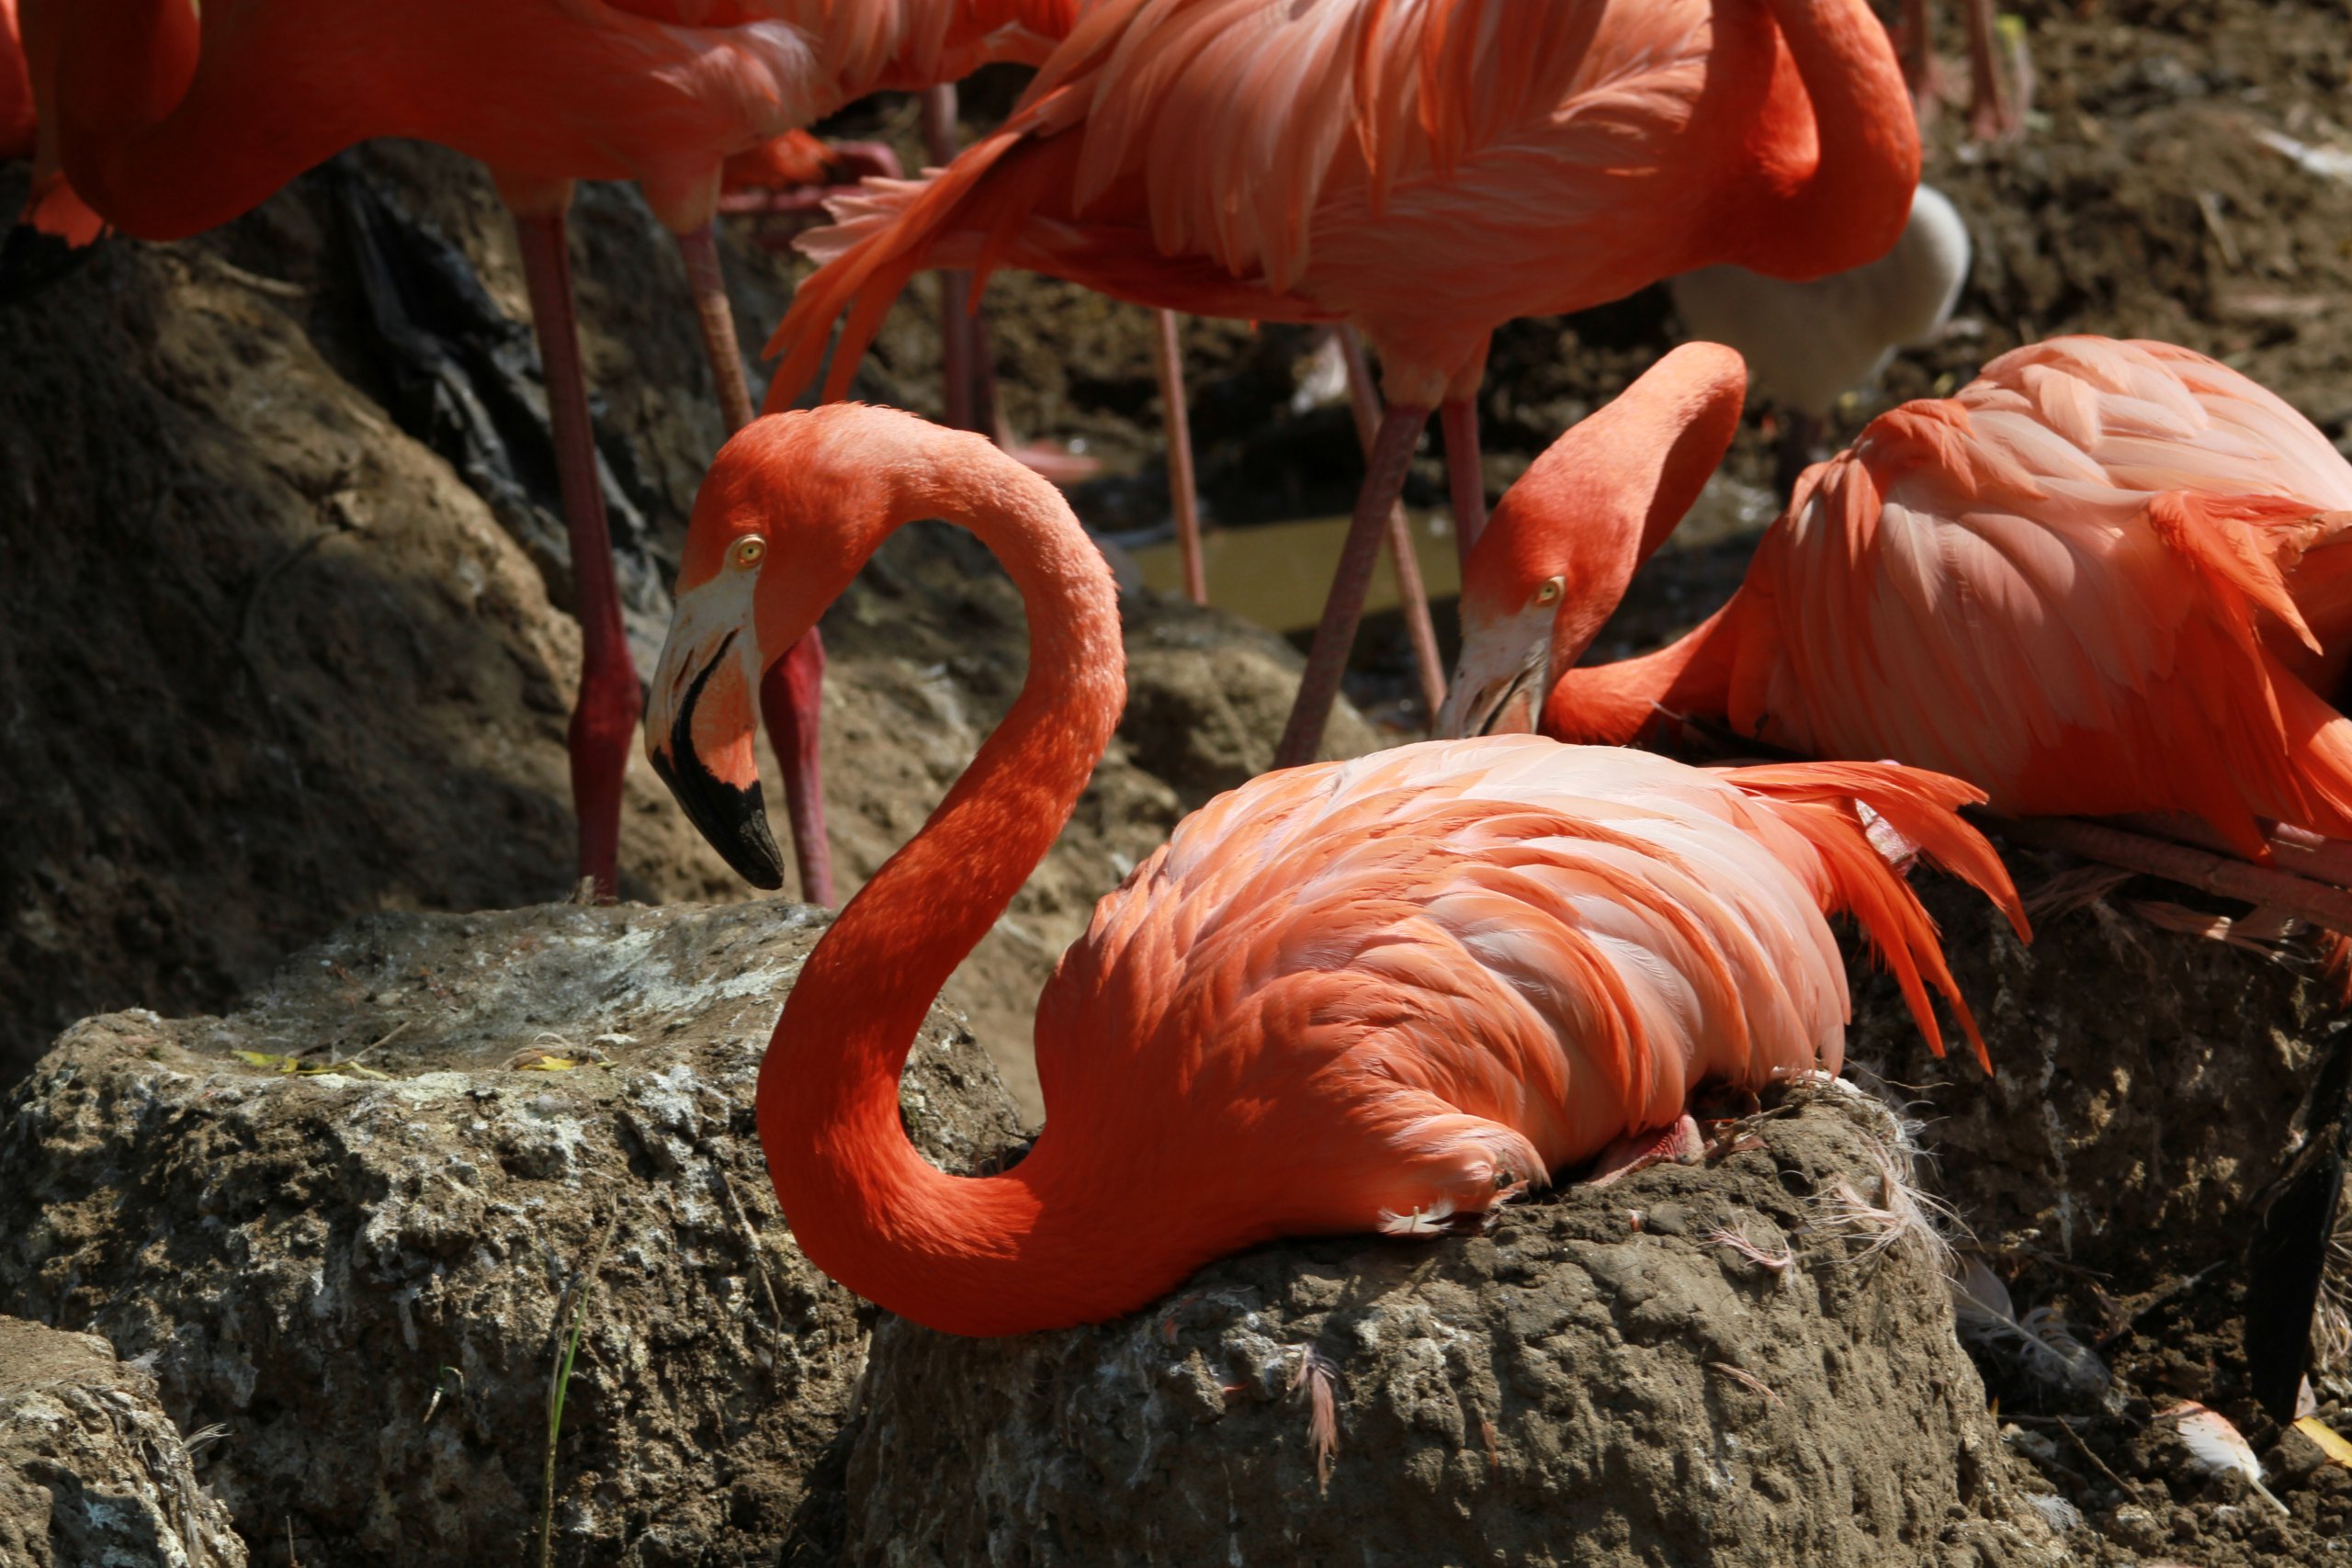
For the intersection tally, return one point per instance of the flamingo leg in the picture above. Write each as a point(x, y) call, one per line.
point(1327, 661)
point(1915, 48)
point(1990, 115)
point(1412, 595)
point(604, 716)
point(1465, 476)
point(1182, 496)
point(959, 342)
point(2317, 902)
point(792, 692)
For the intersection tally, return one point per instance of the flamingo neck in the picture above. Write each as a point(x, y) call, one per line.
point(994, 1255)
point(1614, 704)
point(1842, 200)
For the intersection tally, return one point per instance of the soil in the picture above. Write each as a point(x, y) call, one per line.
point(279, 650)
point(91, 1469)
point(1596, 1380)
point(377, 1205)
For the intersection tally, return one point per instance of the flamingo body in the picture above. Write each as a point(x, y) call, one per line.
point(1358, 995)
point(1811, 341)
point(2106, 577)
point(1424, 170)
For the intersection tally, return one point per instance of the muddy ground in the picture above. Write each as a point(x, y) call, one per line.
point(280, 647)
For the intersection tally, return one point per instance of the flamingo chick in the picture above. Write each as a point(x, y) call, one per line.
point(1425, 172)
point(2107, 578)
point(1352, 997)
point(1810, 342)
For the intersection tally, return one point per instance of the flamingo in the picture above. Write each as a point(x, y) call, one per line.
point(2106, 578)
point(1425, 172)
point(1809, 342)
point(1362, 995)
point(50, 206)
point(168, 125)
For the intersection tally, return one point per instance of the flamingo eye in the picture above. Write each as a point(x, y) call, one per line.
point(745, 552)
point(1549, 592)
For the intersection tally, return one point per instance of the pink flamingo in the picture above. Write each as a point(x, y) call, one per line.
point(1360, 996)
point(1424, 172)
point(167, 125)
point(2106, 578)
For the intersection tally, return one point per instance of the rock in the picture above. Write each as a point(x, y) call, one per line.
point(91, 1470)
point(1563, 1388)
point(2144, 1082)
point(365, 1267)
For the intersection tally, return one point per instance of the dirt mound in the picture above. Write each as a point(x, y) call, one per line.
point(2149, 1086)
point(91, 1469)
point(358, 1224)
point(1599, 1379)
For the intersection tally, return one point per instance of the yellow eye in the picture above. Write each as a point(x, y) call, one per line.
point(1550, 591)
point(746, 551)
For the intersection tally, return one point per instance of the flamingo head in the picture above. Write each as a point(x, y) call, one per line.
point(1564, 540)
point(791, 508)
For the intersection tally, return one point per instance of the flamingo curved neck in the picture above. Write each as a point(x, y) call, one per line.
point(1849, 205)
point(1613, 704)
point(992, 1255)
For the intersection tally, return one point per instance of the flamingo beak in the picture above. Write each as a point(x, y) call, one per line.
point(1500, 680)
point(700, 724)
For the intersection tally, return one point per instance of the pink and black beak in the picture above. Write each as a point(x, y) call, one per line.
point(1501, 679)
point(700, 724)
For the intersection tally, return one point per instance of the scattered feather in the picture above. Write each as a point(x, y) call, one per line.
point(2217, 1448)
point(2038, 1342)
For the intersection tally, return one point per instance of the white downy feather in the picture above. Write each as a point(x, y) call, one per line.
point(2217, 1448)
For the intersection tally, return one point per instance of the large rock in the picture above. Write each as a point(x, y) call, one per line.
point(366, 1267)
point(1599, 1380)
point(92, 1472)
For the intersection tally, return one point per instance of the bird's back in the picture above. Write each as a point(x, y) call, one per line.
point(2078, 583)
point(1401, 978)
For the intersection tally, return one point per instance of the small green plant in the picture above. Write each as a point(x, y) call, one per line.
point(560, 1382)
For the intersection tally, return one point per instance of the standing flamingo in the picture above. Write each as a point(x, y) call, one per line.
point(1425, 172)
point(168, 125)
point(2106, 578)
point(1359, 996)
point(1810, 342)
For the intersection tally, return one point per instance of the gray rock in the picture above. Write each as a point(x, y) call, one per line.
point(92, 1472)
point(1563, 1389)
point(365, 1268)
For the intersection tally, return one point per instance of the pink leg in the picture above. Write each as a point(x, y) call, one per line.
point(604, 718)
point(1639, 1151)
point(1990, 115)
point(1384, 479)
point(1412, 593)
point(1914, 47)
point(790, 700)
point(958, 343)
point(1168, 359)
point(1465, 476)
point(2317, 902)
point(793, 690)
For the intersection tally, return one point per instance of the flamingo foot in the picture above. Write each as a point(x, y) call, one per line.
point(1679, 1144)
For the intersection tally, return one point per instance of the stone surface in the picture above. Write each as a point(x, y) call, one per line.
point(92, 1472)
point(1563, 1389)
point(364, 1274)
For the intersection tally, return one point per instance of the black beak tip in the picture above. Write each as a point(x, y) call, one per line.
point(734, 820)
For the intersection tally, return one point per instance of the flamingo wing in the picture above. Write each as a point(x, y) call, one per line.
point(2074, 583)
point(1205, 155)
point(1445, 971)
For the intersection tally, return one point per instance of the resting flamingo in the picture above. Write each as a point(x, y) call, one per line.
point(2106, 578)
point(1359, 996)
point(167, 125)
point(1425, 172)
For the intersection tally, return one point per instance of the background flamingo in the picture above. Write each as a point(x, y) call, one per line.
point(1810, 342)
point(1424, 172)
point(168, 126)
point(1358, 995)
point(2106, 578)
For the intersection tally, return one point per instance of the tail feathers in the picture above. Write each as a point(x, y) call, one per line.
point(884, 235)
point(2243, 545)
point(1921, 806)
